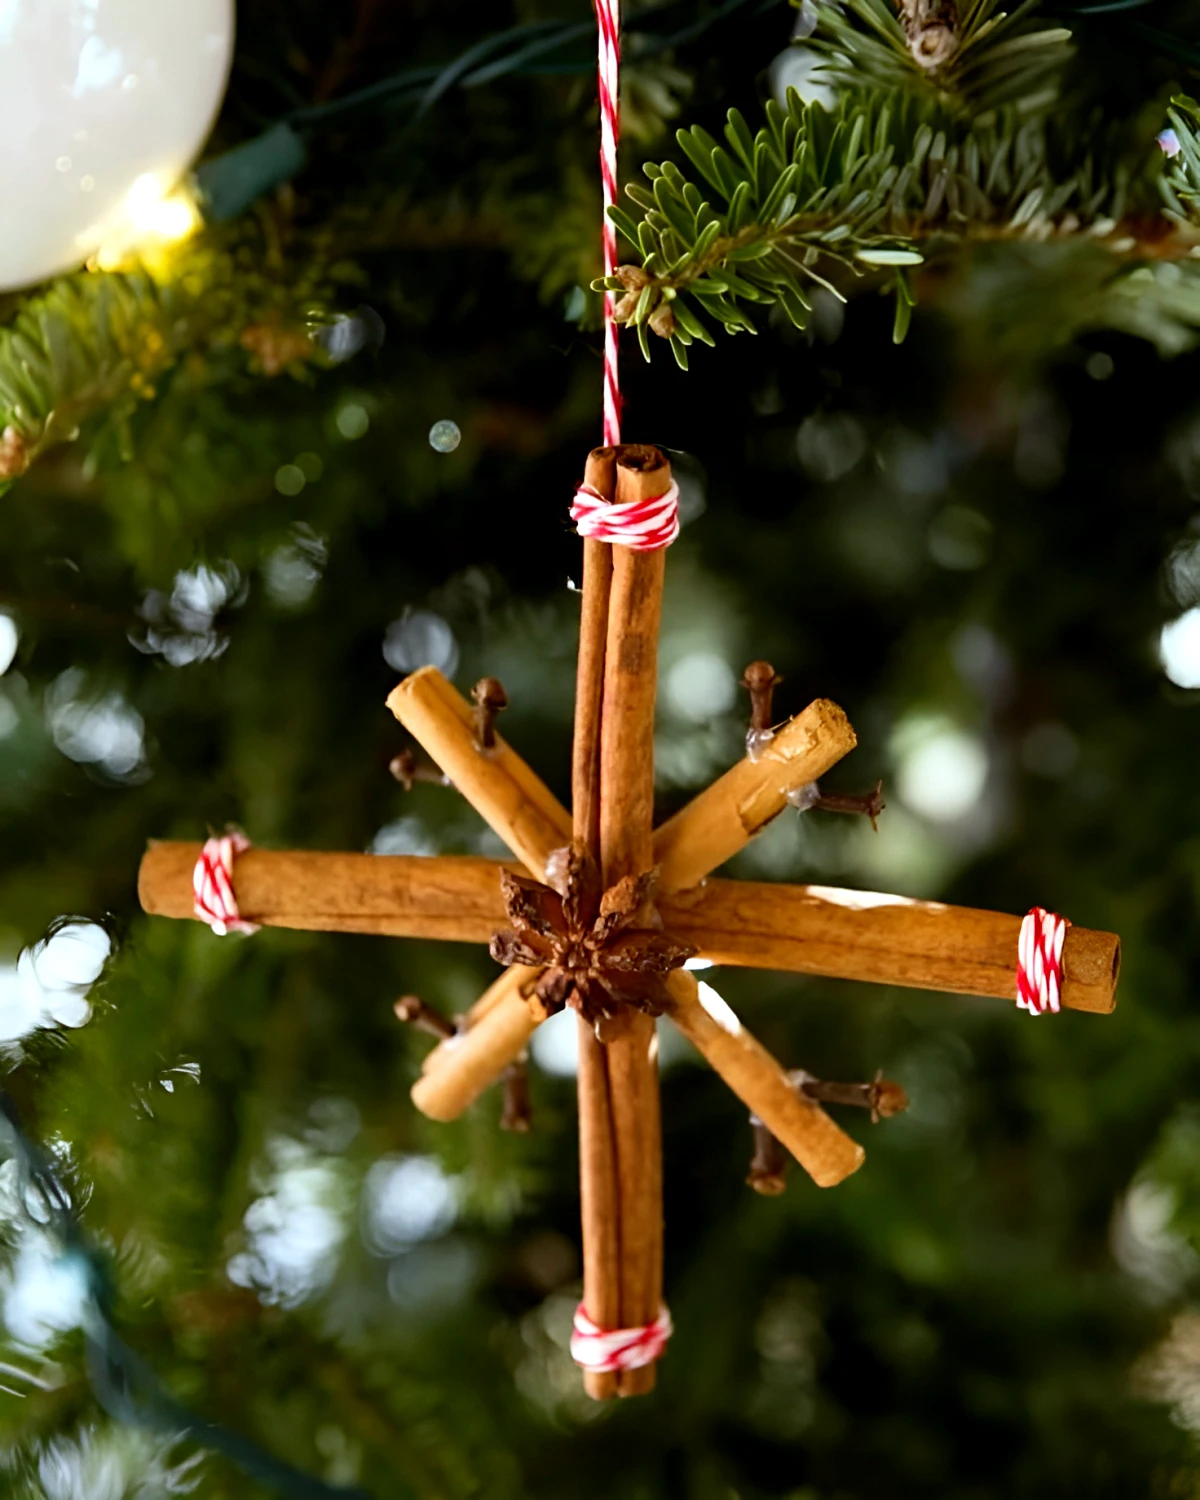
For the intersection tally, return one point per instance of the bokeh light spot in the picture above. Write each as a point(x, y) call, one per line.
point(445, 436)
point(9, 638)
point(941, 770)
point(701, 686)
point(289, 479)
point(1179, 648)
point(419, 638)
point(352, 420)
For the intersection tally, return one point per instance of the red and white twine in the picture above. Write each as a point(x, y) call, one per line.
point(642, 525)
point(1039, 961)
point(597, 1348)
point(212, 883)
point(608, 17)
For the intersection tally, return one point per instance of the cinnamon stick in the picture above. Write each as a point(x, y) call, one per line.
point(443, 1091)
point(821, 1147)
point(804, 929)
point(600, 475)
point(599, 1204)
point(498, 784)
point(626, 848)
point(454, 898)
point(877, 939)
point(738, 806)
point(599, 1200)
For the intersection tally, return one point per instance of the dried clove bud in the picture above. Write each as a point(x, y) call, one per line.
point(490, 699)
point(882, 1098)
point(760, 680)
point(408, 770)
point(413, 1010)
point(518, 1110)
point(768, 1167)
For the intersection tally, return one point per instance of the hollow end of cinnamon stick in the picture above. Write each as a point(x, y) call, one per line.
point(499, 785)
point(724, 817)
point(458, 1070)
point(1091, 967)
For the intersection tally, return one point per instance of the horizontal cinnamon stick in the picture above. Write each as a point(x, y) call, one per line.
point(497, 782)
point(729, 813)
point(455, 899)
point(821, 1147)
point(877, 939)
point(804, 929)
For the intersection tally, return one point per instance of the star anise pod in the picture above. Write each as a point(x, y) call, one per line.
point(597, 952)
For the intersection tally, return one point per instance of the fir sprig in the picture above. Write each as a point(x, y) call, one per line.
point(99, 344)
point(819, 196)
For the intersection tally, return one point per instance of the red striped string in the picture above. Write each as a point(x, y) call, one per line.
point(608, 17)
point(212, 883)
point(1039, 961)
point(640, 525)
point(597, 1348)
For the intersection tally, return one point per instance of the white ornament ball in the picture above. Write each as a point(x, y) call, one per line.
point(104, 104)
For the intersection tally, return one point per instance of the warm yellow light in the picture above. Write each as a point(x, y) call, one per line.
point(151, 219)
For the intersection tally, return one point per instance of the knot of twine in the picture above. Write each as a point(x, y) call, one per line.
point(212, 883)
point(640, 525)
point(1039, 961)
point(597, 1348)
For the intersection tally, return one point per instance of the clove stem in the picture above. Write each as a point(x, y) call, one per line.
point(768, 1166)
point(518, 1110)
point(413, 1010)
point(490, 699)
point(869, 804)
point(408, 770)
point(882, 1098)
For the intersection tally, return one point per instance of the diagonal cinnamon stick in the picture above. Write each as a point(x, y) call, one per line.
point(498, 784)
point(626, 848)
point(821, 1147)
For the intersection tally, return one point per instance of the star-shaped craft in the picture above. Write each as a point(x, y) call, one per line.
point(602, 909)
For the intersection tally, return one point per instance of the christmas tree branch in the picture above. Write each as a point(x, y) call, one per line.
point(819, 197)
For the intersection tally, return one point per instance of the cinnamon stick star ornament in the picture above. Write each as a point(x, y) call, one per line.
point(601, 909)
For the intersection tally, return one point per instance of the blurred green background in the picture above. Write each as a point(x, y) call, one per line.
point(984, 544)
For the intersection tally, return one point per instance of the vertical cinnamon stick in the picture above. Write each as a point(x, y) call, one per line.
point(597, 1149)
point(598, 1200)
point(626, 848)
point(599, 475)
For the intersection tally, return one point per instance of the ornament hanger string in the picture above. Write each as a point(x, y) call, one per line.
point(608, 18)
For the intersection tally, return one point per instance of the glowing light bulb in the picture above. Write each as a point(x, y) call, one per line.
point(150, 220)
point(104, 105)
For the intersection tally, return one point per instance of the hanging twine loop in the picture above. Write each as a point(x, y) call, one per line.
point(1039, 961)
point(640, 525)
point(212, 883)
point(596, 1348)
point(608, 17)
